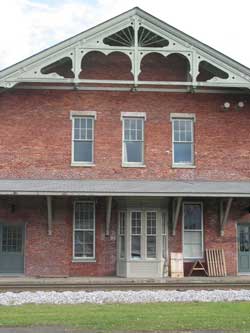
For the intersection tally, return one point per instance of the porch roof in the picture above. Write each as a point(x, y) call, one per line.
point(80, 187)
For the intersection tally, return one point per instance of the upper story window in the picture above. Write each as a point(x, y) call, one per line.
point(82, 138)
point(133, 140)
point(183, 141)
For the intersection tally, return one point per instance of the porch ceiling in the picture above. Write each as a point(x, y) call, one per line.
point(79, 187)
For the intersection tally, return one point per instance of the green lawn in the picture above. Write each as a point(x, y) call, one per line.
point(229, 316)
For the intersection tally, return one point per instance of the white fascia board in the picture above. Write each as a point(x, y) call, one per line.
point(129, 194)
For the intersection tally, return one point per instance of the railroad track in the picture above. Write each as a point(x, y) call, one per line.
point(18, 287)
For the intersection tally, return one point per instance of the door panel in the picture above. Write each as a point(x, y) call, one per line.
point(11, 249)
point(244, 248)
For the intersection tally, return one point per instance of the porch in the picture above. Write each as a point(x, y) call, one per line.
point(135, 225)
point(22, 283)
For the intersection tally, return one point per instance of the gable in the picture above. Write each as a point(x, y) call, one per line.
point(136, 35)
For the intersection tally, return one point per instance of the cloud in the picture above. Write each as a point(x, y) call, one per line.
point(28, 26)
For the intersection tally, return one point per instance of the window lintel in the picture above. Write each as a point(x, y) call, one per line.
point(82, 114)
point(133, 115)
point(174, 116)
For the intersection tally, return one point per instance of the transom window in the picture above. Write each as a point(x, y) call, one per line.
point(84, 230)
point(192, 230)
point(83, 139)
point(183, 141)
point(133, 140)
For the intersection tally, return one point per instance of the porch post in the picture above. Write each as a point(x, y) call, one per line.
point(49, 208)
point(175, 213)
point(108, 214)
point(224, 214)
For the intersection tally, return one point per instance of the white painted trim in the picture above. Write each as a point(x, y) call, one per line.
point(201, 230)
point(133, 114)
point(82, 164)
point(183, 166)
point(84, 259)
point(82, 114)
point(133, 165)
point(183, 116)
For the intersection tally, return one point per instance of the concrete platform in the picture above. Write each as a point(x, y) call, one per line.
point(19, 283)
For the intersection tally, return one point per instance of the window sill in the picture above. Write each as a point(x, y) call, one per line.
point(183, 166)
point(81, 164)
point(133, 165)
point(84, 260)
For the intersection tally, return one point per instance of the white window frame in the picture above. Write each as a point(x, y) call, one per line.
point(183, 116)
point(122, 234)
point(142, 236)
point(133, 115)
point(201, 230)
point(85, 259)
point(79, 115)
point(149, 235)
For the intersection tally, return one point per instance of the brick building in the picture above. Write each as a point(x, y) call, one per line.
point(119, 146)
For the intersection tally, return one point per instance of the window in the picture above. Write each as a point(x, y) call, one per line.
point(192, 231)
point(83, 139)
point(136, 235)
point(122, 223)
point(183, 141)
point(84, 230)
point(133, 140)
point(12, 238)
point(164, 235)
point(151, 234)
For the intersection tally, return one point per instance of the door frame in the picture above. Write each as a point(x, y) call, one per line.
point(24, 230)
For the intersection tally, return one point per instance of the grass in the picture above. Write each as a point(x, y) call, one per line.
point(159, 316)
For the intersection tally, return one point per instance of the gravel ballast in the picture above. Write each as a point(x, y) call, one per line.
point(104, 297)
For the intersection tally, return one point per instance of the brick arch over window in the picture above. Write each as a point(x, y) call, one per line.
point(98, 66)
point(156, 67)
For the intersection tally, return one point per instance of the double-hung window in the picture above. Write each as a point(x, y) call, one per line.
point(151, 234)
point(122, 224)
point(84, 230)
point(136, 228)
point(183, 141)
point(83, 139)
point(133, 141)
point(192, 230)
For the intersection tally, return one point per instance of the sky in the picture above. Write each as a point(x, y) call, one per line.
point(29, 26)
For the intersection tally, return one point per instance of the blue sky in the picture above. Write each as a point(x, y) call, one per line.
point(29, 26)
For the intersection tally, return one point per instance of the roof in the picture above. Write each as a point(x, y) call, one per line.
point(29, 69)
point(159, 188)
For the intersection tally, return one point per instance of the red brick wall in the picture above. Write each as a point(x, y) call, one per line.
point(35, 135)
point(212, 237)
point(52, 255)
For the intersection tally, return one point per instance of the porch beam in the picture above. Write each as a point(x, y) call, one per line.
point(224, 213)
point(49, 208)
point(108, 214)
point(176, 208)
